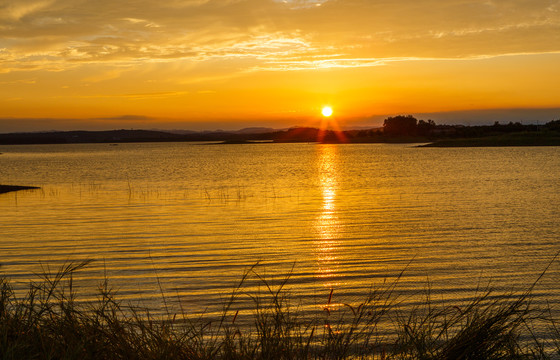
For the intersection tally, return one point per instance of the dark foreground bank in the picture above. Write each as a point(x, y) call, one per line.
point(50, 323)
point(8, 188)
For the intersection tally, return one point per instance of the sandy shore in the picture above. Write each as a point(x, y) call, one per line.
point(8, 188)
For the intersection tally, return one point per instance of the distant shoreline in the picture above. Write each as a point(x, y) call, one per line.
point(420, 132)
point(9, 188)
point(505, 140)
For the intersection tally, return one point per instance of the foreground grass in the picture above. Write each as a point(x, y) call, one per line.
point(49, 323)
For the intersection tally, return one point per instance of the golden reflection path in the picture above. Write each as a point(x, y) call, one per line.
point(327, 223)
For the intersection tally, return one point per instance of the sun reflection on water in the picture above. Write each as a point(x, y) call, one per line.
point(327, 223)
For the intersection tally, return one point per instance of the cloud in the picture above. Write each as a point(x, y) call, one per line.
point(12, 125)
point(287, 34)
point(17, 10)
point(136, 96)
point(129, 118)
point(317, 64)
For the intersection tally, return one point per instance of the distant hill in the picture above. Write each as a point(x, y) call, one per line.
point(249, 130)
point(399, 129)
point(68, 137)
point(255, 130)
point(116, 136)
point(121, 136)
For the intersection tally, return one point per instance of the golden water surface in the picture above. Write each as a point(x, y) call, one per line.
point(189, 219)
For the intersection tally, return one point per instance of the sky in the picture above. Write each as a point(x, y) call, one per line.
point(208, 64)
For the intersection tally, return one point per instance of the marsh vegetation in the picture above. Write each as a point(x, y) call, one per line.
point(50, 322)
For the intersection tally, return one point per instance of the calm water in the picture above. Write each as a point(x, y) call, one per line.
point(345, 217)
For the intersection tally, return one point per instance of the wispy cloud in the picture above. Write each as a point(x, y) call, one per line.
point(128, 118)
point(295, 65)
point(136, 96)
point(50, 35)
point(17, 10)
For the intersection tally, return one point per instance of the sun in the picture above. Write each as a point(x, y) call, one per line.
point(327, 111)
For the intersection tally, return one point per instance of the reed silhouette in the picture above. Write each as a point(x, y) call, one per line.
point(50, 322)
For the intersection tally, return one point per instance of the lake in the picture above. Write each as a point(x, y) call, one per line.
point(183, 221)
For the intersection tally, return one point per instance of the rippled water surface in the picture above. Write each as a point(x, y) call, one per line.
point(189, 219)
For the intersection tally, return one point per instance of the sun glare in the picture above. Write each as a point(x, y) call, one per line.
point(327, 111)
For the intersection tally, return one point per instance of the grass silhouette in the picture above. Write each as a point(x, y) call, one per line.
point(49, 322)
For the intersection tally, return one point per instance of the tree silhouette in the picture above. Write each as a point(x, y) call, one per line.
point(400, 125)
point(425, 127)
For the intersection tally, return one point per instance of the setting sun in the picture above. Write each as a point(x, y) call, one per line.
point(327, 111)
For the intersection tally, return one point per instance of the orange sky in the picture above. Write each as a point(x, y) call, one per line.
point(203, 64)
